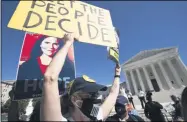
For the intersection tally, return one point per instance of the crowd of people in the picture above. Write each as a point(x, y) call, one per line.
point(81, 102)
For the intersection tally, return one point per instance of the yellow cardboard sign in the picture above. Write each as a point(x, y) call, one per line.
point(55, 18)
point(114, 55)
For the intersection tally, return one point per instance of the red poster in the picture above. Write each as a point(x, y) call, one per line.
point(37, 53)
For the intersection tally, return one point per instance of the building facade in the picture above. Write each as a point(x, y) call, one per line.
point(6, 86)
point(158, 70)
point(106, 93)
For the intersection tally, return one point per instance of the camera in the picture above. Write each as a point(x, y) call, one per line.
point(149, 93)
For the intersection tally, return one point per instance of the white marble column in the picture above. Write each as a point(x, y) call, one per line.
point(182, 65)
point(175, 74)
point(127, 82)
point(140, 79)
point(165, 75)
point(134, 82)
point(157, 77)
point(148, 79)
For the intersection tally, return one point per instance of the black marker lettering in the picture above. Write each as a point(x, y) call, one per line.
point(60, 24)
point(71, 3)
point(78, 13)
point(28, 18)
point(103, 35)
point(101, 21)
point(49, 5)
point(59, 2)
point(88, 19)
point(48, 21)
point(89, 31)
point(60, 11)
point(84, 6)
point(79, 27)
point(34, 3)
point(101, 12)
point(93, 9)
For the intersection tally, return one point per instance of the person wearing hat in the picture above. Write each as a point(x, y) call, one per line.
point(153, 109)
point(122, 113)
point(81, 97)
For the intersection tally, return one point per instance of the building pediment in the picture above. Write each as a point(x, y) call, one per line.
point(148, 53)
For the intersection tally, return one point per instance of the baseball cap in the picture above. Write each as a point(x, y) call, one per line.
point(84, 84)
point(122, 100)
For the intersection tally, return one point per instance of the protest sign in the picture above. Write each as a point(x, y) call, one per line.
point(113, 53)
point(91, 24)
point(37, 52)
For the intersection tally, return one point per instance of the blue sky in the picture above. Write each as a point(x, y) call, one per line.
point(143, 25)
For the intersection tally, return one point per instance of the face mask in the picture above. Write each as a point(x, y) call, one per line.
point(90, 107)
point(120, 110)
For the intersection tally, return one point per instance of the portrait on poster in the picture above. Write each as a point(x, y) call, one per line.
point(36, 55)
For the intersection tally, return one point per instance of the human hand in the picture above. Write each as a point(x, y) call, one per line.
point(117, 70)
point(69, 38)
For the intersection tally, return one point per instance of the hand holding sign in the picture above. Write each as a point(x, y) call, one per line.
point(69, 38)
point(117, 70)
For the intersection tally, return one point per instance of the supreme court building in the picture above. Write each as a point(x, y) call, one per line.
point(157, 69)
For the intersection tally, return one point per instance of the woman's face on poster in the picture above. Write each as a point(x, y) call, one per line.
point(49, 46)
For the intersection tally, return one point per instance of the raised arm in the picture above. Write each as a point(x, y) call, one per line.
point(50, 105)
point(110, 101)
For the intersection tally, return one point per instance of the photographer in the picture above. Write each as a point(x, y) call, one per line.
point(153, 109)
point(81, 95)
point(177, 106)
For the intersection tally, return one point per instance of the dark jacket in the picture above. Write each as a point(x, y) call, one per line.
point(153, 111)
point(132, 118)
point(178, 112)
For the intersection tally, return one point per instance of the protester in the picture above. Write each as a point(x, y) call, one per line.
point(131, 109)
point(153, 109)
point(184, 104)
point(177, 106)
point(81, 92)
point(141, 96)
point(130, 98)
point(122, 114)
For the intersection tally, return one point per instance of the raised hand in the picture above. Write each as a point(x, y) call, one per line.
point(69, 38)
point(117, 70)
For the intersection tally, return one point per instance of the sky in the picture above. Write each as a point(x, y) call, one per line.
point(143, 25)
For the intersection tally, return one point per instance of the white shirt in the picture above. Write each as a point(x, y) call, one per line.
point(141, 94)
point(129, 95)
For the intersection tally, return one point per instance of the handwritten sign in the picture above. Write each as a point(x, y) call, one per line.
point(55, 18)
